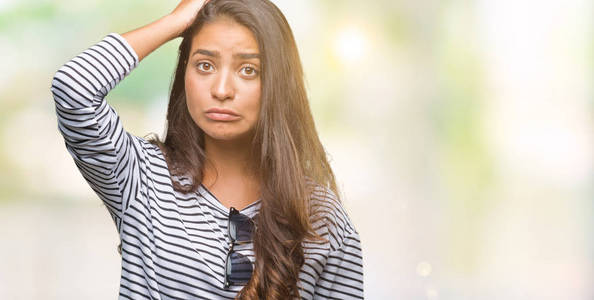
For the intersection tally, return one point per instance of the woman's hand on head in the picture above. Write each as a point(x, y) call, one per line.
point(147, 38)
point(186, 11)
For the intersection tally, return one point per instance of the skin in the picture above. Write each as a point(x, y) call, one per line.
point(231, 82)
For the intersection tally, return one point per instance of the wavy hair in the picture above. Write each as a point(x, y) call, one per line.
point(286, 147)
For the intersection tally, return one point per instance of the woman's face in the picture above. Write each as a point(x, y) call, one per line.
point(223, 80)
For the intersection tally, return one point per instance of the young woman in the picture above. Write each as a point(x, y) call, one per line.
point(239, 200)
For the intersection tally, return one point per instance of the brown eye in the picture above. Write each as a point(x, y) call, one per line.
point(204, 66)
point(249, 71)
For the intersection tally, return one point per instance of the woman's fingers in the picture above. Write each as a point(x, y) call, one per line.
point(187, 10)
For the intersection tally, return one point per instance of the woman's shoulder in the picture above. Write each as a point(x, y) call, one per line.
point(329, 217)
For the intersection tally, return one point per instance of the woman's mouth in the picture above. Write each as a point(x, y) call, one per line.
point(221, 114)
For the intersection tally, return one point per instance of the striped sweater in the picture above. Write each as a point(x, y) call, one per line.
point(174, 245)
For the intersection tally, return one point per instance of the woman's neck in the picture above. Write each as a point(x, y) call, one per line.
point(229, 172)
point(228, 159)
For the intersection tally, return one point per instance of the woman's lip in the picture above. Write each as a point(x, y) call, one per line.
point(221, 116)
point(221, 111)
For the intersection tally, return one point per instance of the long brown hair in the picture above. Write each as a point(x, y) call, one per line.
point(286, 146)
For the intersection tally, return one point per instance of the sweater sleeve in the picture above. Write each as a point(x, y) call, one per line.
point(106, 155)
point(342, 276)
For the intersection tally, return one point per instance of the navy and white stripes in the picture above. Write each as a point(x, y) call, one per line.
point(173, 244)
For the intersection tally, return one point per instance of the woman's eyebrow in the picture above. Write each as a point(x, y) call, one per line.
point(217, 54)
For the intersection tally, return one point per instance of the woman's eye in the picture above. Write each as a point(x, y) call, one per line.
point(204, 66)
point(249, 71)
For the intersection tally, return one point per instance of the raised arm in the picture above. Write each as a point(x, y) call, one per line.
point(109, 158)
point(146, 39)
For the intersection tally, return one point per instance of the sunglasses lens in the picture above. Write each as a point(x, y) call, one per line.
point(240, 227)
point(239, 268)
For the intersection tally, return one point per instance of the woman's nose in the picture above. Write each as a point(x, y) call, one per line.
point(223, 88)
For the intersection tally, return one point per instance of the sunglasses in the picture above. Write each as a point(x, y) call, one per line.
point(238, 268)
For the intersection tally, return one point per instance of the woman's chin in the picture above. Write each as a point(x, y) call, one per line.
point(226, 135)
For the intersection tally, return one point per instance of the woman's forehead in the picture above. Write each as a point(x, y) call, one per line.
point(225, 36)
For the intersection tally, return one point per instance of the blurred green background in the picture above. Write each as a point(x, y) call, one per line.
point(461, 133)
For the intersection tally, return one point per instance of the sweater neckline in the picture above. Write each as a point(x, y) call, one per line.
point(248, 210)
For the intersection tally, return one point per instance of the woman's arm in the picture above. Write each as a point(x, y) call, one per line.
point(342, 277)
point(146, 39)
point(109, 158)
point(341, 272)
